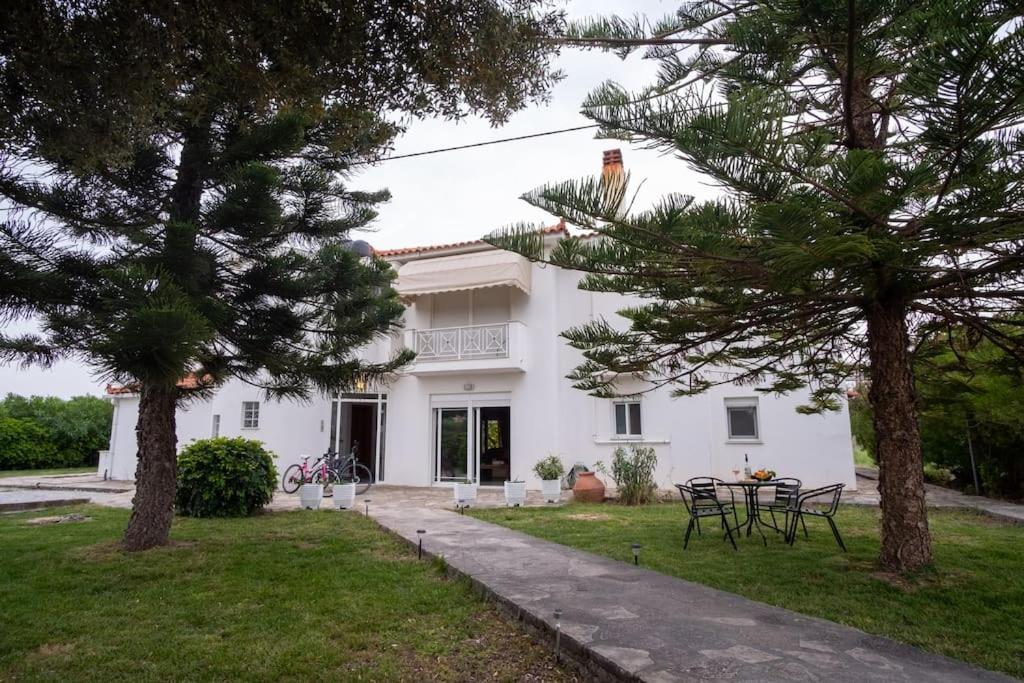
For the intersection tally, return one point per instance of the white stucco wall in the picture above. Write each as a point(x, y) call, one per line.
point(548, 415)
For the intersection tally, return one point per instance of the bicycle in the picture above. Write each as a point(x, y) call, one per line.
point(348, 469)
point(297, 475)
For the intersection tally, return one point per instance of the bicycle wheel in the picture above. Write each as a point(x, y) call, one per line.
point(292, 479)
point(329, 481)
point(362, 477)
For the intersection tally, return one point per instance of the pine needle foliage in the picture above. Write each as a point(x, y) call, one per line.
point(175, 186)
point(869, 157)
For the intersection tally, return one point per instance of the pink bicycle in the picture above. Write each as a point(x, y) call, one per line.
point(319, 473)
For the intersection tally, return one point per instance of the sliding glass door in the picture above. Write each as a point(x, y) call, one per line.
point(472, 440)
point(452, 447)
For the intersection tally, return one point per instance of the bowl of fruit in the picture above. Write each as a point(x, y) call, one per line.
point(764, 475)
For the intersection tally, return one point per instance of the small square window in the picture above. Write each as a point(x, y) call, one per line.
point(627, 419)
point(741, 416)
point(215, 428)
point(250, 415)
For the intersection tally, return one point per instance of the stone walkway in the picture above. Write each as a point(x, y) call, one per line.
point(936, 496)
point(627, 623)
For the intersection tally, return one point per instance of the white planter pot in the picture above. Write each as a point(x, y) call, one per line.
point(310, 496)
point(551, 490)
point(465, 495)
point(515, 493)
point(345, 496)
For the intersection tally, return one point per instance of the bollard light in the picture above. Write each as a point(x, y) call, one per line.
point(366, 503)
point(419, 533)
point(636, 552)
point(558, 635)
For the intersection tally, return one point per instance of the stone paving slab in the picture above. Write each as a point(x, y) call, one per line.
point(628, 623)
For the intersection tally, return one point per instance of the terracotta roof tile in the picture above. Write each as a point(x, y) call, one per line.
point(188, 382)
point(559, 228)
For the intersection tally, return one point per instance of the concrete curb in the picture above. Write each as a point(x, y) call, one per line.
point(55, 487)
point(40, 504)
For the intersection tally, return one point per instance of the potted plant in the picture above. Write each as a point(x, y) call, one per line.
point(310, 494)
point(344, 494)
point(550, 471)
point(465, 493)
point(515, 493)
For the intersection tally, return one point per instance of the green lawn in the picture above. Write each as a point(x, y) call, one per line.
point(283, 596)
point(32, 473)
point(971, 606)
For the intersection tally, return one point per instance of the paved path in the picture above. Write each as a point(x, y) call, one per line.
point(15, 500)
point(630, 623)
point(936, 496)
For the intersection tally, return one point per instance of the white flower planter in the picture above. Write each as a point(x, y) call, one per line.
point(551, 490)
point(465, 495)
point(345, 496)
point(310, 496)
point(515, 493)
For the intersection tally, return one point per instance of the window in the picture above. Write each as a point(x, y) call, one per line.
point(215, 429)
point(627, 418)
point(250, 415)
point(741, 414)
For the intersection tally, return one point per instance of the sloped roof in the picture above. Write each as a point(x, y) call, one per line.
point(189, 381)
point(556, 229)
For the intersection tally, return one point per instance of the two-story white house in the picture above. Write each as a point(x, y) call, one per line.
point(487, 396)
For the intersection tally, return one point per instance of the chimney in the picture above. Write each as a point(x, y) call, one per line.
point(613, 179)
point(611, 164)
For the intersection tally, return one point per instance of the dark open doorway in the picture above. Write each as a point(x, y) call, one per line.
point(495, 445)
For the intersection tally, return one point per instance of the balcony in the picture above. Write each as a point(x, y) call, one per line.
point(497, 347)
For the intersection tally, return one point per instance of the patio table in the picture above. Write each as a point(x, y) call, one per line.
point(750, 488)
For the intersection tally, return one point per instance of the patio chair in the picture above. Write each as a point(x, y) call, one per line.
point(699, 502)
point(711, 486)
point(800, 509)
point(786, 491)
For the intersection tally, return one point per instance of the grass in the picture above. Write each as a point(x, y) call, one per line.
point(32, 473)
point(861, 457)
point(282, 596)
point(970, 606)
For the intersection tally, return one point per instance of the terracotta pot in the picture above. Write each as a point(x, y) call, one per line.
point(588, 488)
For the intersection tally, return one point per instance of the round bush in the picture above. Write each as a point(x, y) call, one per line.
point(25, 445)
point(224, 478)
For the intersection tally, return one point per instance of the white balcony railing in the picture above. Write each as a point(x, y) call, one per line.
point(461, 343)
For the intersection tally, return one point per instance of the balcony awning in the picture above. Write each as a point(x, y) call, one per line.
point(492, 268)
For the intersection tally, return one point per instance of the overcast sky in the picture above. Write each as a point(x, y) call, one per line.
point(465, 194)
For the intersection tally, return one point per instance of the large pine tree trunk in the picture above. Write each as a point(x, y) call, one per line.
point(906, 542)
point(155, 475)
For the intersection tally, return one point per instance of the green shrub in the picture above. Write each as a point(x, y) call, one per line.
point(78, 427)
point(940, 476)
point(224, 477)
point(24, 445)
point(549, 468)
point(634, 474)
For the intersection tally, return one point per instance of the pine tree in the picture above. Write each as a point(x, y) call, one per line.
point(869, 156)
point(174, 183)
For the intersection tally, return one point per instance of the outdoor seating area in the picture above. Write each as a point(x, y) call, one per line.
point(776, 505)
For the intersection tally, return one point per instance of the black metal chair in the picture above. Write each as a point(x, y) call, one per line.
point(800, 509)
point(711, 486)
point(700, 501)
point(786, 491)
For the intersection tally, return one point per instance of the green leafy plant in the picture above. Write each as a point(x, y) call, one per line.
point(25, 445)
point(938, 475)
point(224, 477)
point(549, 468)
point(633, 474)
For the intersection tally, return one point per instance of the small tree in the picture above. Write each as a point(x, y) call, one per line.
point(173, 179)
point(870, 155)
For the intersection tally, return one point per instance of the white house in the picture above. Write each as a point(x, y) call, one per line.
point(487, 396)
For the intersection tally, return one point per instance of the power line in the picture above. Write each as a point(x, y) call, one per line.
point(480, 144)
